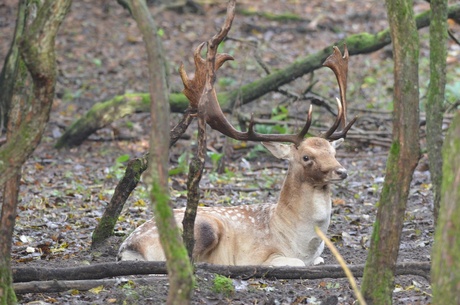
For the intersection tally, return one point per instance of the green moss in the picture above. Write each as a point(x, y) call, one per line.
point(161, 201)
point(376, 232)
point(395, 148)
point(223, 285)
point(7, 295)
point(270, 16)
point(176, 253)
point(382, 286)
point(138, 167)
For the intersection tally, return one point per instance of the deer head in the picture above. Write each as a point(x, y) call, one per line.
point(313, 162)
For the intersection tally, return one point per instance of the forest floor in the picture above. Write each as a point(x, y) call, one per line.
point(101, 54)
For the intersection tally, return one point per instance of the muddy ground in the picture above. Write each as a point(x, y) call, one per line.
point(101, 54)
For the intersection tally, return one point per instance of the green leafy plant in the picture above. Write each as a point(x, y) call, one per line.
point(226, 81)
point(255, 152)
point(182, 165)
point(453, 92)
point(118, 169)
point(215, 158)
point(280, 113)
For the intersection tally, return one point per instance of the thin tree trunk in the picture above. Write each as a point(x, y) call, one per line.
point(8, 216)
point(103, 113)
point(10, 68)
point(404, 154)
point(179, 267)
point(127, 184)
point(193, 189)
point(446, 249)
point(435, 99)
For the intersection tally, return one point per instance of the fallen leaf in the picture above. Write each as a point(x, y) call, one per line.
point(97, 290)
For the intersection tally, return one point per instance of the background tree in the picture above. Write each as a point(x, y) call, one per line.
point(435, 98)
point(180, 270)
point(29, 104)
point(446, 249)
point(403, 157)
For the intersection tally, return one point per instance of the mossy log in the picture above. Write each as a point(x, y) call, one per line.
point(103, 113)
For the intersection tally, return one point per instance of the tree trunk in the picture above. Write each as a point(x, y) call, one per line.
point(103, 113)
point(37, 50)
point(446, 249)
point(28, 111)
point(404, 154)
point(435, 99)
point(179, 267)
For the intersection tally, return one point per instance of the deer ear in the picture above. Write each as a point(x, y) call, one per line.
point(337, 143)
point(281, 151)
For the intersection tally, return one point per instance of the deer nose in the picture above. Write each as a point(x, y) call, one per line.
point(342, 173)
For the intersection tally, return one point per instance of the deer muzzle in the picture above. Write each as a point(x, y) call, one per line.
point(341, 173)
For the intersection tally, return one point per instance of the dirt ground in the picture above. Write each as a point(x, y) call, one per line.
point(101, 54)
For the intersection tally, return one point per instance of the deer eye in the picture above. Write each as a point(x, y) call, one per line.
point(306, 158)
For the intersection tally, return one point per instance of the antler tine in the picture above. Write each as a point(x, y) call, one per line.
point(343, 132)
point(339, 65)
point(209, 108)
point(193, 87)
point(292, 138)
point(338, 120)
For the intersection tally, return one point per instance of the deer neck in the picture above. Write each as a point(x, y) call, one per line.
point(302, 203)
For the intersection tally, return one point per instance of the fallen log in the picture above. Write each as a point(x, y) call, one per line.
point(82, 285)
point(125, 268)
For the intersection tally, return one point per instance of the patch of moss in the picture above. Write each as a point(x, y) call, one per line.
point(223, 285)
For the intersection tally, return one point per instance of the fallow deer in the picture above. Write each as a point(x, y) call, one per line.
point(260, 234)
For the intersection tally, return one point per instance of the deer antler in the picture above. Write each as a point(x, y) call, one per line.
point(202, 95)
point(339, 64)
point(193, 87)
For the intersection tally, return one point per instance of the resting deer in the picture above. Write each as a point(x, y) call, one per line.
point(260, 234)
